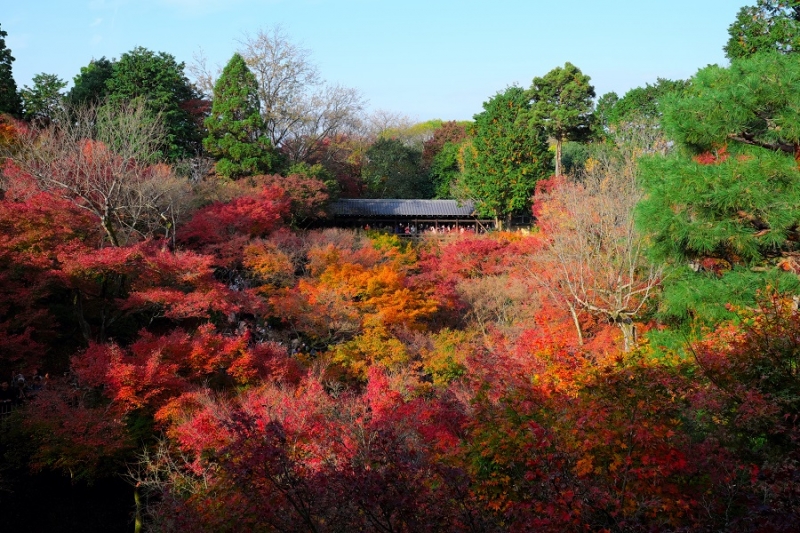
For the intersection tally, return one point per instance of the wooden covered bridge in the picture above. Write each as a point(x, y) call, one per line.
point(409, 217)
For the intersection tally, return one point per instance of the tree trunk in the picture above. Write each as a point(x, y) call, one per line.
point(576, 322)
point(558, 157)
point(137, 525)
point(108, 226)
point(628, 329)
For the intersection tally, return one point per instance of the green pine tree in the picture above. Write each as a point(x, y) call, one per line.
point(770, 25)
point(726, 204)
point(10, 101)
point(236, 130)
point(561, 105)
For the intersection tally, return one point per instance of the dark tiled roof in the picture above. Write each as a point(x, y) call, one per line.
point(412, 208)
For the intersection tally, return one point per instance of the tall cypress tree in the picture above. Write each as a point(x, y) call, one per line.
point(506, 157)
point(236, 131)
point(10, 101)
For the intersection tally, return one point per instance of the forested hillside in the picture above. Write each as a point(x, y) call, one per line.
point(170, 316)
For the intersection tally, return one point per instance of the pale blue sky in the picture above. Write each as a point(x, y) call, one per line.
point(423, 58)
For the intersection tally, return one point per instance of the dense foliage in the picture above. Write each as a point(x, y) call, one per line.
point(89, 86)
point(723, 205)
point(43, 101)
point(561, 106)
point(770, 25)
point(440, 157)
point(627, 364)
point(638, 104)
point(505, 157)
point(159, 80)
point(392, 169)
point(236, 131)
point(9, 97)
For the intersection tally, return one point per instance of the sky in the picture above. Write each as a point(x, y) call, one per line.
point(425, 59)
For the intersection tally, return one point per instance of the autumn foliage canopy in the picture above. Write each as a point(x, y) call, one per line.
point(630, 362)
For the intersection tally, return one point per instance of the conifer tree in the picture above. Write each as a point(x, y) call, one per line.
point(733, 191)
point(506, 158)
point(236, 131)
point(9, 97)
point(727, 203)
point(158, 79)
point(89, 86)
point(561, 105)
point(770, 25)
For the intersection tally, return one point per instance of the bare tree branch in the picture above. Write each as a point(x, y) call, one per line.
point(300, 109)
point(105, 159)
point(597, 256)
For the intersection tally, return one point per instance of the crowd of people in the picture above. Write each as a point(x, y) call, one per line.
point(19, 389)
point(422, 227)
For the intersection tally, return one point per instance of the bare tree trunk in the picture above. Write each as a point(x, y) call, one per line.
point(108, 226)
point(86, 329)
point(628, 329)
point(558, 157)
point(595, 254)
point(576, 322)
point(137, 526)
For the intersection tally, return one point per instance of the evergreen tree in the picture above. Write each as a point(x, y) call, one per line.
point(506, 157)
point(445, 170)
point(603, 114)
point(160, 81)
point(640, 102)
point(755, 102)
point(393, 169)
point(770, 25)
point(9, 97)
point(89, 87)
point(727, 204)
point(561, 105)
point(638, 112)
point(42, 101)
point(440, 156)
point(236, 131)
